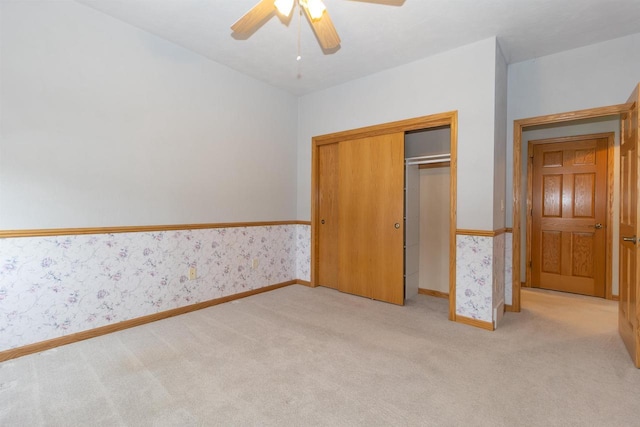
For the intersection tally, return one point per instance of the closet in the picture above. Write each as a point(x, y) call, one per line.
point(427, 211)
point(365, 226)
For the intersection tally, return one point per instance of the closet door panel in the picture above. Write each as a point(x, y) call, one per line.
point(371, 194)
point(328, 213)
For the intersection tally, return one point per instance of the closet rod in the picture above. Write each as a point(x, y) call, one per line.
point(423, 160)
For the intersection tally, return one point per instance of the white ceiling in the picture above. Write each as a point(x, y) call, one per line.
point(375, 36)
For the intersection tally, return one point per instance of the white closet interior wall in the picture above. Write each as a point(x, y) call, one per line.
point(412, 231)
point(434, 229)
point(428, 192)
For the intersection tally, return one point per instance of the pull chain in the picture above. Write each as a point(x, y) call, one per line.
point(299, 57)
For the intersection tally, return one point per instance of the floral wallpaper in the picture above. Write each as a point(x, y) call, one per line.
point(303, 252)
point(508, 277)
point(474, 271)
point(54, 286)
point(498, 269)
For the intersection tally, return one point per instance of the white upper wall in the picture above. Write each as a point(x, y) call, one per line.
point(103, 124)
point(427, 143)
point(500, 144)
point(593, 76)
point(462, 79)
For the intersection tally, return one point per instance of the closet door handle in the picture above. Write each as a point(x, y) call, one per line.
point(630, 239)
point(397, 225)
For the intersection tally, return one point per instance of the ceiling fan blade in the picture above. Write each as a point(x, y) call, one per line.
point(385, 2)
point(252, 19)
point(324, 30)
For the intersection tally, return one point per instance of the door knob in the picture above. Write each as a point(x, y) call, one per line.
point(322, 222)
point(597, 226)
point(397, 225)
point(630, 239)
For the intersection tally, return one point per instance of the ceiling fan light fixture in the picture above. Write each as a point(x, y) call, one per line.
point(314, 11)
point(284, 7)
point(315, 7)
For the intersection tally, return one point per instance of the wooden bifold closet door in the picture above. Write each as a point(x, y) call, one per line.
point(369, 176)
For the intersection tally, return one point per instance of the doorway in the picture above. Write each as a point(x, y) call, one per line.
point(569, 225)
point(520, 126)
point(629, 227)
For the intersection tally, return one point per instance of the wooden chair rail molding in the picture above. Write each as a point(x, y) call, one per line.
point(482, 233)
point(4, 234)
point(107, 329)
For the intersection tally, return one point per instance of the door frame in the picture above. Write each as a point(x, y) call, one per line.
point(518, 126)
point(419, 123)
point(608, 208)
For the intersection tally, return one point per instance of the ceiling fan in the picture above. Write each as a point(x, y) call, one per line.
point(314, 10)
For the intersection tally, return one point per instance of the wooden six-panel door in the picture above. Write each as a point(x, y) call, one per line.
point(371, 210)
point(328, 184)
point(569, 216)
point(629, 309)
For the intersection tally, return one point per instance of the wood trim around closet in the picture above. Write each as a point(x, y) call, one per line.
point(453, 209)
point(4, 234)
point(418, 123)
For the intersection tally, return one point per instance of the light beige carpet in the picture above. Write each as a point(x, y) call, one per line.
point(299, 356)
